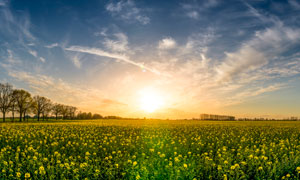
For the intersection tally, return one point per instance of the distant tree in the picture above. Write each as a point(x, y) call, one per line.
point(28, 107)
point(47, 109)
point(40, 103)
point(22, 99)
point(82, 115)
point(72, 111)
point(97, 116)
point(57, 109)
point(64, 111)
point(5, 98)
point(89, 115)
point(12, 107)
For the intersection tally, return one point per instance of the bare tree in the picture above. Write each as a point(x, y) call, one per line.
point(72, 111)
point(64, 111)
point(12, 108)
point(5, 98)
point(47, 110)
point(22, 99)
point(28, 107)
point(40, 103)
point(57, 109)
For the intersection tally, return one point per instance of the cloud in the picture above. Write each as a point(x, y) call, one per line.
point(42, 59)
point(245, 95)
point(33, 53)
point(195, 8)
point(128, 11)
point(52, 45)
point(63, 92)
point(193, 14)
point(10, 59)
point(118, 45)
point(246, 59)
point(121, 57)
point(261, 49)
point(2, 3)
point(294, 4)
point(16, 27)
point(76, 61)
point(167, 43)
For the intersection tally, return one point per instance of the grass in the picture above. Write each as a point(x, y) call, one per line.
point(132, 149)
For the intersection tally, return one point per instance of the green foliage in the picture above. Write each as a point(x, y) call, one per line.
point(115, 149)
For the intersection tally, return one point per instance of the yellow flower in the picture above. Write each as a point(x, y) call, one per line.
point(42, 170)
point(260, 168)
point(298, 168)
point(138, 177)
point(288, 175)
point(18, 174)
point(134, 163)
point(185, 165)
point(27, 175)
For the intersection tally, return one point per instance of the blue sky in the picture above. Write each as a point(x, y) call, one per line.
point(224, 57)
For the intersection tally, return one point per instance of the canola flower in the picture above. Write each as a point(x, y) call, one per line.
point(115, 149)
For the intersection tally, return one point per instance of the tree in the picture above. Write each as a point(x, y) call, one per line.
point(57, 109)
point(64, 111)
point(97, 116)
point(28, 108)
point(12, 107)
point(47, 110)
point(23, 100)
point(40, 104)
point(5, 98)
point(72, 111)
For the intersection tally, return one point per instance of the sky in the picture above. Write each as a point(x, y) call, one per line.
point(236, 57)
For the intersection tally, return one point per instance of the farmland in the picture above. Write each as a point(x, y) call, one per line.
point(148, 149)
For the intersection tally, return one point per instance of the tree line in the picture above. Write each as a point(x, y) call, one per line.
point(21, 102)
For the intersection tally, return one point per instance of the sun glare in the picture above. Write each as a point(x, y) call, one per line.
point(150, 100)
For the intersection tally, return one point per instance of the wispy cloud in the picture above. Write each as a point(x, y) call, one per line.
point(52, 45)
point(167, 43)
point(294, 4)
point(33, 53)
point(193, 9)
point(76, 61)
point(43, 60)
point(63, 92)
point(193, 14)
point(17, 27)
point(2, 3)
point(121, 57)
point(127, 10)
point(119, 44)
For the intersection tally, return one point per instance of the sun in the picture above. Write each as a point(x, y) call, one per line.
point(150, 100)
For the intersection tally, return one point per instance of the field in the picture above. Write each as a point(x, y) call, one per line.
point(120, 149)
